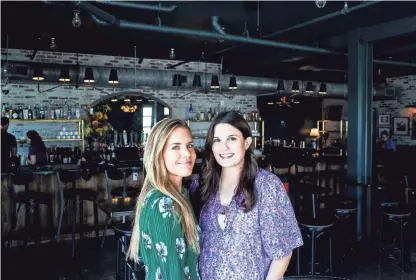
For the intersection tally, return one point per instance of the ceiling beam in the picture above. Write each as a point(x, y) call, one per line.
point(377, 32)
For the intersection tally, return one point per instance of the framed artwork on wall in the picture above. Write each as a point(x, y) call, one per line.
point(384, 119)
point(414, 126)
point(383, 129)
point(401, 126)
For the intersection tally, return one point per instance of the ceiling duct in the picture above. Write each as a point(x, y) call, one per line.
point(162, 79)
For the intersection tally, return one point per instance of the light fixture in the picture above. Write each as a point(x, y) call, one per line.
point(309, 88)
point(114, 99)
point(38, 74)
point(172, 54)
point(113, 79)
point(320, 3)
point(233, 83)
point(53, 45)
point(76, 20)
point(295, 87)
point(176, 80)
point(196, 83)
point(345, 10)
point(280, 85)
point(64, 76)
point(322, 89)
point(314, 133)
point(215, 82)
point(127, 99)
point(89, 76)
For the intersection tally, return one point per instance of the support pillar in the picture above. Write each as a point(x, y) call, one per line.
point(360, 98)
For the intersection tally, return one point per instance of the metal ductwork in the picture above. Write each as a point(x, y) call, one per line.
point(157, 8)
point(163, 79)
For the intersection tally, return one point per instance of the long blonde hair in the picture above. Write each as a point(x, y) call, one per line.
point(157, 177)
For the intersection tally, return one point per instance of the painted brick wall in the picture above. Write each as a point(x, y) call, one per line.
point(395, 108)
point(27, 93)
point(22, 94)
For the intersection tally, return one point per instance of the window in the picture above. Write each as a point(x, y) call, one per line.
point(147, 119)
point(166, 111)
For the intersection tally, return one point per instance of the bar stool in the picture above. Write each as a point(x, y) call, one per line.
point(77, 196)
point(315, 228)
point(399, 216)
point(345, 211)
point(113, 173)
point(32, 201)
point(123, 234)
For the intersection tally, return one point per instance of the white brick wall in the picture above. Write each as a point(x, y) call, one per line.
point(27, 93)
point(395, 108)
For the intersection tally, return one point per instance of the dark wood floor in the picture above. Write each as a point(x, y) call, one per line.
point(52, 261)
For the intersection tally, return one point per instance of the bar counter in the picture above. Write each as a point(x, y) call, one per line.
point(46, 180)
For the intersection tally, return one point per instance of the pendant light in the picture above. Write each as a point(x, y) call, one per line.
point(196, 83)
point(113, 79)
point(309, 88)
point(295, 87)
point(176, 80)
point(214, 82)
point(233, 83)
point(322, 89)
point(64, 76)
point(89, 76)
point(38, 74)
point(280, 85)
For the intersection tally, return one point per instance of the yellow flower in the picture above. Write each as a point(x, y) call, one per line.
point(105, 117)
point(99, 116)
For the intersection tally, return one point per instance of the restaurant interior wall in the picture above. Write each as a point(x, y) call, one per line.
point(20, 92)
point(394, 108)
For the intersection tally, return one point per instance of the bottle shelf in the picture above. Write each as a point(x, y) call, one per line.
point(52, 140)
point(46, 121)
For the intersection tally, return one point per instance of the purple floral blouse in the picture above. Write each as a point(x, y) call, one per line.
point(249, 241)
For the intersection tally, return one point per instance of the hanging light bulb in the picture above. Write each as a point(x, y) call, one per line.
point(345, 10)
point(76, 20)
point(53, 45)
point(320, 3)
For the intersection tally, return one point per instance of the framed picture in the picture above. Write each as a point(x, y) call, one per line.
point(383, 129)
point(383, 119)
point(401, 126)
point(414, 126)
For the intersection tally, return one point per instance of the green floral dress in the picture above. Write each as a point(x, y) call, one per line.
point(163, 249)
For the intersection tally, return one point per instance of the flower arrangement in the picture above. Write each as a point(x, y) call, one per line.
point(97, 126)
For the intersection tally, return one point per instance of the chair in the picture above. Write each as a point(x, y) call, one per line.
point(399, 216)
point(315, 228)
point(32, 200)
point(77, 196)
point(113, 173)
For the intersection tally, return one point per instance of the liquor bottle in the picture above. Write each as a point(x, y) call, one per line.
point(26, 113)
point(20, 112)
point(5, 111)
point(29, 113)
point(190, 112)
point(124, 138)
point(77, 112)
point(52, 156)
point(209, 114)
point(15, 113)
point(35, 114)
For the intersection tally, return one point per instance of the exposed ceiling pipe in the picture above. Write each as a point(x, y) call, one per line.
point(106, 19)
point(157, 8)
point(216, 25)
point(162, 79)
point(304, 24)
point(322, 18)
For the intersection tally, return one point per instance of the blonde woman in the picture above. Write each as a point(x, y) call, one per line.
point(165, 233)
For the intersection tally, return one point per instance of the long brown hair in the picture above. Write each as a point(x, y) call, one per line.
point(211, 170)
point(157, 177)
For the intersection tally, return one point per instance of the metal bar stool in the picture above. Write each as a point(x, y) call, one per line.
point(32, 201)
point(77, 196)
point(315, 228)
point(400, 216)
point(123, 234)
